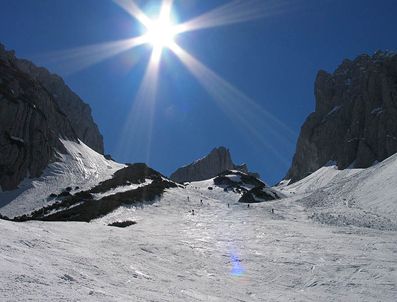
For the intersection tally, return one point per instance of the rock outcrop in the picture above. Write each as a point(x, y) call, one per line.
point(77, 112)
point(218, 161)
point(354, 123)
point(32, 119)
point(82, 206)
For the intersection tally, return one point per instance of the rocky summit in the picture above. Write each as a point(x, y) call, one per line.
point(36, 110)
point(216, 162)
point(354, 123)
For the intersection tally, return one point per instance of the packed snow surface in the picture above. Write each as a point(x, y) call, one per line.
point(334, 238)
point(224, 252)
point(363, 197)
point(80, 169)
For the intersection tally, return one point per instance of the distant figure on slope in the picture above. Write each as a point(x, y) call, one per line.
point(272, 211)
point(188, 199)
point(248, 205)
point(228, 205)
point(193, 212)
point(201, 201)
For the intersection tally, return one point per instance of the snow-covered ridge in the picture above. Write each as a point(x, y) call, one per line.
point(361, 197)
point(81, 168)
point(325, 176)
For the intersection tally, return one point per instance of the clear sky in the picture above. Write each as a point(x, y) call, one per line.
point(272, 60)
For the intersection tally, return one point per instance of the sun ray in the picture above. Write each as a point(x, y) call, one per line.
point(235, 12)
point(139, 124)
point(79, 58)
point(166, 7)
point(130, 7)
point(238, 106)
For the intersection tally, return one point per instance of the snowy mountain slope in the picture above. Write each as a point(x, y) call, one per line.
point(376, 188)
point(361, 197)
point(323, 177)
point(138, 183)
point(79, 169)
point(219, 254)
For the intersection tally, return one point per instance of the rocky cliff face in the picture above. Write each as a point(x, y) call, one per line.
point(218, 161)
point(77, 112)
point(354, 123)
point(33, 117)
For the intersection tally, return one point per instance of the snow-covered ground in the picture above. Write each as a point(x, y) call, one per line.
point(333, 238)
point(81, 167)
point(221, 253)
point(361, 197)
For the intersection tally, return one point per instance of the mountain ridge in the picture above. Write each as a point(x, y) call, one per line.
point(209, 166)
point(354, 119)
point(37, 109)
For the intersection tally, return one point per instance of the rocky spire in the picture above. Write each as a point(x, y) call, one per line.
point(354, 123)
point(217, 161)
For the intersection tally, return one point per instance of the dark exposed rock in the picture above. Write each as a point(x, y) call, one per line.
point(122, 224)
point(253, 190)
point(77, 112)
point(4, 217)
point(354, 124)
point(82, 207)
point(30, 125)
point(260, 194)
point(64, 194)
point(36, 109)
point(134, 173)
point(224, 179)
point(218, 161)
point(86, 210)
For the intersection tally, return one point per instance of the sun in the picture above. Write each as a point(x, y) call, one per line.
point(161, 33)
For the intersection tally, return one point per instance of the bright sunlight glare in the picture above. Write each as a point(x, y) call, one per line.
point(161, 33)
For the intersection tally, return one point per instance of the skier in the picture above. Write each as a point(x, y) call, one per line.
point(248, 205)
point(201, 201)
point(228, 205)
point(272, 211)
point(193, 212)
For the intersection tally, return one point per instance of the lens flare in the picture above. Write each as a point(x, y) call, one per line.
point(237, 269)
point(161, 33)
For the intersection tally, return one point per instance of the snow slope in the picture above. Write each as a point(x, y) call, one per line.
point(221, 253)
point(323, 177)
point(332, 239)
point(361, 197)
point(81, 167)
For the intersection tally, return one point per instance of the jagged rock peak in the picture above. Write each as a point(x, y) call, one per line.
point(354, 122)
point(217, 161)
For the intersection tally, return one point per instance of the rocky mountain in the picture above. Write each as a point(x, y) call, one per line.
point(217, 161)
point(136, 183)
point(36, 110)
point(354, 123)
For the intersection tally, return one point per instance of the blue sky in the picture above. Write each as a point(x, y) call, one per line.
point(273, 60)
